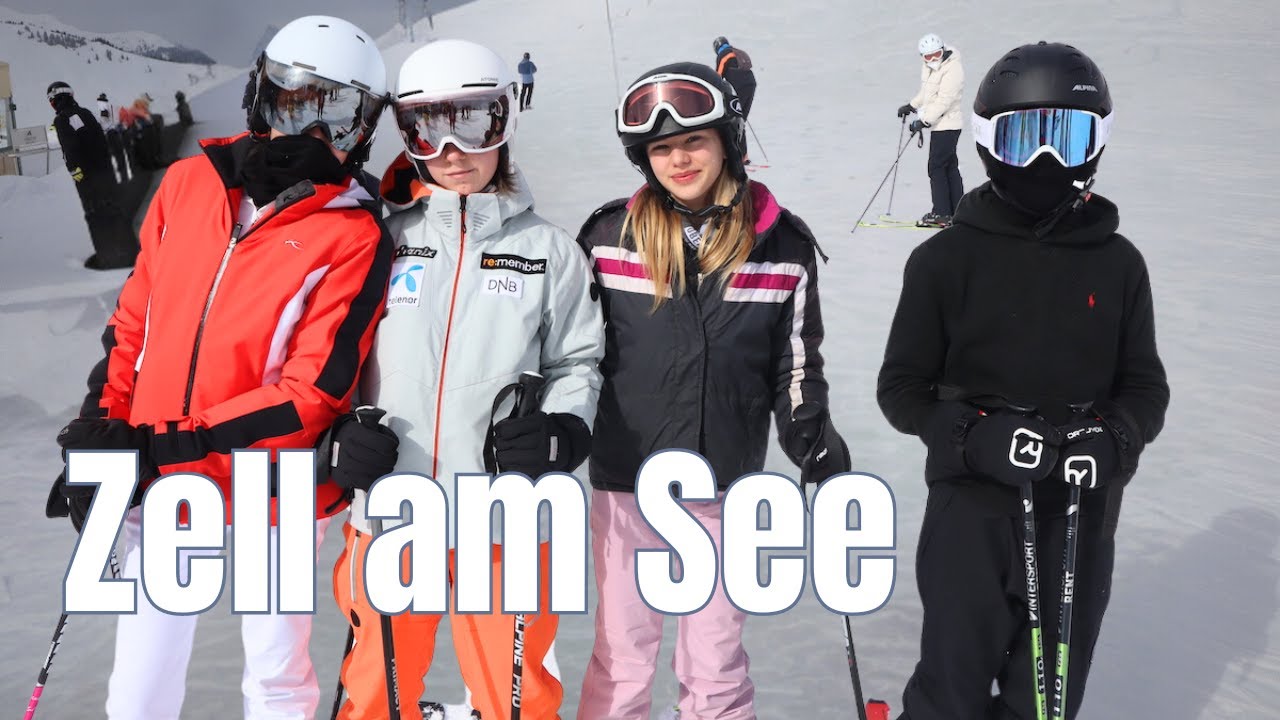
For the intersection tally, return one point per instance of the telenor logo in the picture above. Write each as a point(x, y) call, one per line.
point(410, 282)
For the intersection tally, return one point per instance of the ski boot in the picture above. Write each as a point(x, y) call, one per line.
point(934, 220)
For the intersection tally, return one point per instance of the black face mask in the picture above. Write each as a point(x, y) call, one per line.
point(274, 166)
point(1039, 188)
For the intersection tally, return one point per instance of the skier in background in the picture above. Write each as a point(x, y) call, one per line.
point(937, 107)
point(1030, 299)
point(734, 65)
point(526, 68)
point(84, 149)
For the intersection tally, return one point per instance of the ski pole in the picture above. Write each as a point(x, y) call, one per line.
point(893, 185)
point(1067, 600)
point(1032, 574)
point(526, 404)
point(43, 678)
point(337, 694)
point(882, 182)
point(369, 417)
point(757, 137)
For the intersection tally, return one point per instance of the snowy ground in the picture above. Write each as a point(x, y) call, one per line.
point(1192, 629)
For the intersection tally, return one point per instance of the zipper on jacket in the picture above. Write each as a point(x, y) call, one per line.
point(448, 332)
point(208, 303)
point(295, 194)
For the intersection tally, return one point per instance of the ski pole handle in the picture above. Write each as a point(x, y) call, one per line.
point(527, 400)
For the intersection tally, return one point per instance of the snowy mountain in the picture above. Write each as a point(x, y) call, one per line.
point(1193, 627)
point(41, 49)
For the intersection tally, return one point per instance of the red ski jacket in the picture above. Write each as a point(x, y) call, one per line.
point(228, 337)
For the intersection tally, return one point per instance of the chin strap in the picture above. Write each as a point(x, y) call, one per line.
point(1073, 203)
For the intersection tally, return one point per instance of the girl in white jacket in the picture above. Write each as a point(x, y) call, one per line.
point(937, 107)
point(481, 290)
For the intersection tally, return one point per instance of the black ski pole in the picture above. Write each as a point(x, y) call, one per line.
point(1067, 600)
point(527, 403)
point(369, 417)
point(757, 137)
point(337, 694)
point(1032, 573)
point(885, 180)
point(43, 678)
point(893, 185)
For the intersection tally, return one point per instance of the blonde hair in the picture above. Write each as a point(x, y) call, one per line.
point(659, 237)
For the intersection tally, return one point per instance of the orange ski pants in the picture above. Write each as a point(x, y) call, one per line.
point(484, 645)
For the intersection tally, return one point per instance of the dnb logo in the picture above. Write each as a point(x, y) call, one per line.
point(1027, 448)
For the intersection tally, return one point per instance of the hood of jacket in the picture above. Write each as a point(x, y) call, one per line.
point(1094, 223)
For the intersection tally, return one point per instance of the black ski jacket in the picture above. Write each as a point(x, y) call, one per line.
point(703, 371)
point(83, 144)
point(990, 309)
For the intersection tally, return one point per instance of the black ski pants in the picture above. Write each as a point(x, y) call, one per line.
point(945, 183)
point(970, 572)
point(526, 95)
point(111, 231)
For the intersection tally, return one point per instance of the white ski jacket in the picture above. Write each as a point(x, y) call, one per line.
point(938, 102)
point(481, 290)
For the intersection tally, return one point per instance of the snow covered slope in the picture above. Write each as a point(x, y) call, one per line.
point(1192, 628)
point(41, 49)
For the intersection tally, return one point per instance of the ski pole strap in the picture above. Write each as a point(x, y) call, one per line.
point(525, 390)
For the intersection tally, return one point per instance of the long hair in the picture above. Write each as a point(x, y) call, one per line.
point(659, 238)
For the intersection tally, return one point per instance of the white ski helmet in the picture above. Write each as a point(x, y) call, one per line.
point(457, 73)
point(319, 48)
point(930, 44)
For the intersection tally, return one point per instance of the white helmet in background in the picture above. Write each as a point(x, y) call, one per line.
point(930, 44)
point(321, 71)
point(455, 92)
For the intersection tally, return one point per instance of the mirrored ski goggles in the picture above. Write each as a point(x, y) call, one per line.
point(689, 100)
point(473, 123)
point(294, 100)
point(1018, 137)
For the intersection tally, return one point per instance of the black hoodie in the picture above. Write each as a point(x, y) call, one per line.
point(989, 308)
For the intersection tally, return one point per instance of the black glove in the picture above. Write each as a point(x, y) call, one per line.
point(905, 110)
point(69, 501)
point(1090, 457)
point(916, 126)
point(541, 443)
point(103, 434)
point(361, 453)
point(1011, 448)
point(812, 443)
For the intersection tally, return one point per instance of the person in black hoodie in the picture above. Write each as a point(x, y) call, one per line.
point(84, 148)
point(1024, 339)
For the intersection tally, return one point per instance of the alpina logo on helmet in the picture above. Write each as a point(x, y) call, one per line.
point(1085, 88)
point(736, 105)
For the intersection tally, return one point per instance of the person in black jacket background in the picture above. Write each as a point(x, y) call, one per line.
point(1031, 300)
point(84, 148)
point(712, 320)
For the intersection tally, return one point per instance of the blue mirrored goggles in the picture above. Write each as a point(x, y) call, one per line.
point(1018, 137)
point(294, 100)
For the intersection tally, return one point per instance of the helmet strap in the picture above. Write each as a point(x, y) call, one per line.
point(1073, 203)
point(711, 211)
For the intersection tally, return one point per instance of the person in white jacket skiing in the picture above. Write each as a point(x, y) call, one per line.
point(937, 107)
point(481, 290)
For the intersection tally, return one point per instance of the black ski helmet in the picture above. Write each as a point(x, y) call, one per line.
point(1043, 75)
point(59, 93)
point(719, 43)
point(731, 126)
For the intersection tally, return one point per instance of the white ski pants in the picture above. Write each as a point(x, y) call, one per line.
point(148, 679)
